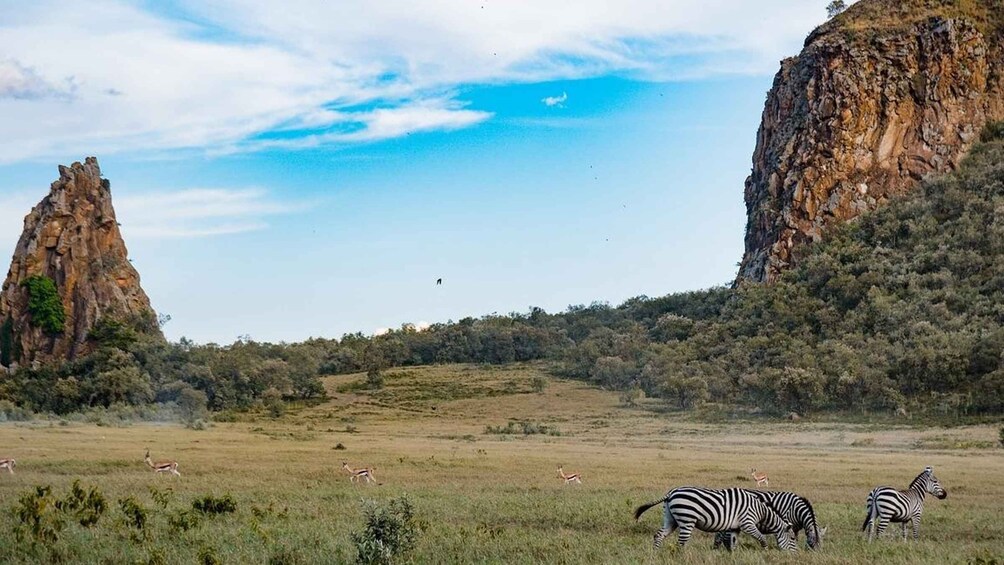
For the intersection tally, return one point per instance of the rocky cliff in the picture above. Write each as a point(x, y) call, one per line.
point(880, 96)
point(70, 270)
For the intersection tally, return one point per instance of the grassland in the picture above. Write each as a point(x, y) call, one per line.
point(494, 498)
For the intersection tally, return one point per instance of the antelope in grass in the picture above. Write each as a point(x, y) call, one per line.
point(162, 466)
point(8, 464)
point(364, 473)
point(573, 478)
point(760, 478)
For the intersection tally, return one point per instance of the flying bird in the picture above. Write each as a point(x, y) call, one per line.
point(439, 282)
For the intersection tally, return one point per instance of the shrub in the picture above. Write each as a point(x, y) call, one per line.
point(211, 505)
point(207, 556)
point(374, 379)
point(37, 515)
point(835, 8)
point(1000, 438)
point(538, 384)
point(7, 353)
point(44, 304)
point(87, 506)
point(192, 406)
point(341, 447)
point(182, 521)
point(272, 400)
point(993, 131)
point(135, 514)
point(390, 532)
point(523, 427)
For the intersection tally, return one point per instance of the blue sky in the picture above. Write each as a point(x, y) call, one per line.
point(311, 171)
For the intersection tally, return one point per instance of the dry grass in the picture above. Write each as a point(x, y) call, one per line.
point(876, 15)
point(489, 498)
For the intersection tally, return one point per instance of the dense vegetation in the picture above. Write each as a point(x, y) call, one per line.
point(900, 310)
point(44, 304)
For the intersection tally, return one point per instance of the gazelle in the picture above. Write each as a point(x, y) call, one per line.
point(162, 466)
point(8, 464)
point(760, 478)
point(573, 478)
point(364, 473)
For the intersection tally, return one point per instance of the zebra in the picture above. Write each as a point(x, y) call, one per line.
point(886, 504)
point(793, 509)
point(716, 511)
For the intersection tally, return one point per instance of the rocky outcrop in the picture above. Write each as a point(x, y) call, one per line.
point(879, 97)
point(71, 238)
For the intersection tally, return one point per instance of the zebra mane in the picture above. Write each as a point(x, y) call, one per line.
point(922, 478)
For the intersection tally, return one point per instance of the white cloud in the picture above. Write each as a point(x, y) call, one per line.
point(558, 101)
point(23, 83)
point(217, 75)
point(196, 212)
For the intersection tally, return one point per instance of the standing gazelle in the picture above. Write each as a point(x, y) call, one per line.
point(162, 466)
point(573, 478)
point(760, 478)
point(8, 464)
point(364, 473)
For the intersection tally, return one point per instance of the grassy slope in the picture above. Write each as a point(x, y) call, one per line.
point(873, 15)
point(489, 498)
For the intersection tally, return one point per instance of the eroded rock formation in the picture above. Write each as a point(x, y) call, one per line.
point(884, 94)
point(72, 238)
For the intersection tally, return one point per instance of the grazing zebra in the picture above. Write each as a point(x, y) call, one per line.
point(793, 509)
point(718, 511)
point(886, 504)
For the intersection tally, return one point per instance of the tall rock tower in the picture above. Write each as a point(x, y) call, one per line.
point(70, 270)
point(883, 94)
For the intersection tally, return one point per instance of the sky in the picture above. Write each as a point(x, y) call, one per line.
point(309, 168)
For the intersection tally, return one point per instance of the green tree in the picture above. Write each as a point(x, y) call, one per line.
point(44, 304)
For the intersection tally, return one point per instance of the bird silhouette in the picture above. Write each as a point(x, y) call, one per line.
point(439, 282)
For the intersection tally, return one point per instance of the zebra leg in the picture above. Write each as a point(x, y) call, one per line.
point(880, 526)
point(684, 536)
point(916, 528)
point(904, 531)
point(668, 525)
point(751, 529)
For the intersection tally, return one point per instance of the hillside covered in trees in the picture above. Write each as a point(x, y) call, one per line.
point(902, 308)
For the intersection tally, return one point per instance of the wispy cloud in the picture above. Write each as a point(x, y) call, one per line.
point(197, 212)
point(24, 83)
point(224, 74)
point(552, 101)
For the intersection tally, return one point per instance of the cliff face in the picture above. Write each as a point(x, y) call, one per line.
point(879, 97)
point(72, 238)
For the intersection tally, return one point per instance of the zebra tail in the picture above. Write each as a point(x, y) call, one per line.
point(641, 509)
point(868, 518)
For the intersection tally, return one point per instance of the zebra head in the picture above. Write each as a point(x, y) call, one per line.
point(926, 481)
point(786, 538)
point(814, 536)
point(774, 524)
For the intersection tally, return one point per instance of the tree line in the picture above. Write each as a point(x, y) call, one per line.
point(900, 310)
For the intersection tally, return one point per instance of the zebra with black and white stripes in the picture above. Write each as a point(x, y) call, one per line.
point(723, 510)
point(886, 504)
point(793, 509)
